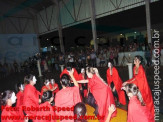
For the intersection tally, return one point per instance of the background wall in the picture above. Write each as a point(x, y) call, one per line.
point(17, 47)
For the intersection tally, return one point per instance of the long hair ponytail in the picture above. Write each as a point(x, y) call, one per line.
point(132, 88)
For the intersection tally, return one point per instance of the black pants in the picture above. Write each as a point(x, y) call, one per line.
point(115, 92)
point(93, 62)
point(149, 62)
point(29, 119)
point(92, 102)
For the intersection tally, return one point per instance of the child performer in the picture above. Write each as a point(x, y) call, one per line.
point(137, 110)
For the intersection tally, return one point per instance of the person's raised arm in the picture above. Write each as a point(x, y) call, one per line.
point(72, 77)
point(111, 110)
point(82, 81)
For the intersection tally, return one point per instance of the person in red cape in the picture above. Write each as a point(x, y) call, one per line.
point(47, 86)
point(7, 99)
point(47, 99)
point(101, 92)
point(83, 88)
point(55, 87)
point(140, 80)
point(115, 82)
point(31, 96)
point(137, 110)
point(20, 95)
point(66, 71)
point(67, 96)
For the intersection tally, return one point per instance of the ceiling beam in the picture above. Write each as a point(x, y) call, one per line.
point(30, 11)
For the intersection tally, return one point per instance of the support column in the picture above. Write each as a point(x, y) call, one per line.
point(56, 2)
point(93, 22)
point(148, 20)
point(39, 68)
point(130, 72)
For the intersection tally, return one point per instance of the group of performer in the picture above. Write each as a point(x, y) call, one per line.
point(76, 87)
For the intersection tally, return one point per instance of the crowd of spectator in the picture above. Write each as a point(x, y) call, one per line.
point(51, 61)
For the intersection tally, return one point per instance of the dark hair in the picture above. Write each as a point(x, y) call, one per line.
point(46, 81)
point(85, 75)
point(4, 96)
point(65, 80)
point(140, 58)
point(28, 78)
point(46, 96)
point(132, 88)
point(17, 86)
point(80, 110)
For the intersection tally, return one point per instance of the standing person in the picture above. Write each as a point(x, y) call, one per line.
point(56, 61)
point(47, 86)
point(140, 80)
point(93, 58)
point(83, 87)
point(52, 61)
point(49, 63)
point(148, 57)
point(71, 59)
point(67, 69)
point(7, 99)
point(116, 51)
point(20, 97)
point(55, 87)
point(88, 60)
point(67, 96)
point(111, 58)
point(83, 59)
point(100, 91)
point(115, 82)
point(45, 65)
point(20, 94)
point(15, 64)
point(137, 105)
point(31, 95)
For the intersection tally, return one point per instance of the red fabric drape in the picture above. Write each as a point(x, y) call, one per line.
point(142, 83)
point(118, 84)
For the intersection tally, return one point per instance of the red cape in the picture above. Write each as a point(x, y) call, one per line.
point(142, 83)
point(118, 84)
point(31, 98)
point(67, 97)
point(19, 101)
point(76, 75)
point(85, 90)
point(102, 94)
point(56, 90)
point(11, 113)
point(46, 113)
point(137, 112)
point(45, 87)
